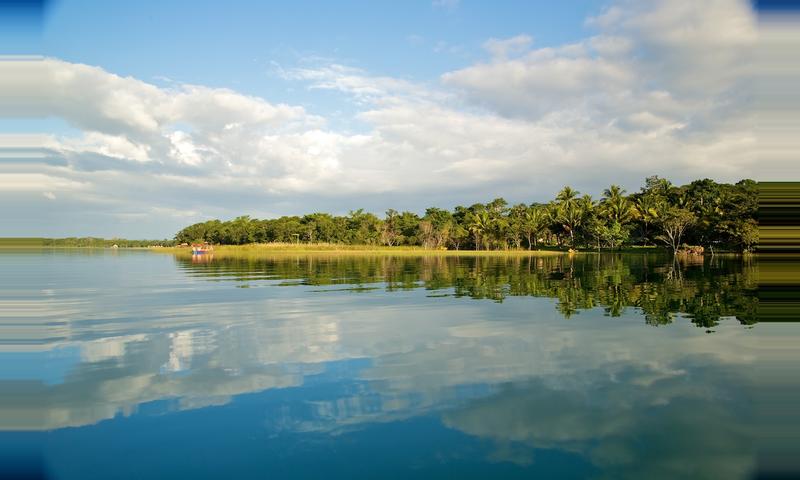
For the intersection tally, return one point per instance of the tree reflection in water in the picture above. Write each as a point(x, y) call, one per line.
point(660, 288)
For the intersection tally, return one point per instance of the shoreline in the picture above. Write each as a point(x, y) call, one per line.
point(262, 250)
point(268, 249)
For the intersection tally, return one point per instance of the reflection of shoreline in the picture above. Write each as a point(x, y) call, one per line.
point(187, 338)
point(203, 258)
point(656, 286)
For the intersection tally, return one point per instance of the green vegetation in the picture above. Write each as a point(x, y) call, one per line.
point(82, 242)
point(714, 215)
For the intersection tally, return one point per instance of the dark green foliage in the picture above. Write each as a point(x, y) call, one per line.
point(718, 216)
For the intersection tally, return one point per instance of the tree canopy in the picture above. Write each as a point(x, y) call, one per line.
point(715, 215)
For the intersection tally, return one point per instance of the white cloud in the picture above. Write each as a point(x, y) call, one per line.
point(366, 89)
point(505, 47)
point(691, 49)
point(660, 88)
point(542, 81)
point(113, 146)
point(37, 182)
point(183, 149)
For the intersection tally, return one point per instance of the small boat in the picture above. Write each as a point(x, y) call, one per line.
point(202, 248)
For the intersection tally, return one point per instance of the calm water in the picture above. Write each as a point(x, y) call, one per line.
point(141, 365)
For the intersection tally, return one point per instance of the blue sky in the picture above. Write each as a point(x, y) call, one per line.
point(142, 117)
point(234, 45)
point(241, 45)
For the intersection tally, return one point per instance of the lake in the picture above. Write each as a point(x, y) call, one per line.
point(132, 364)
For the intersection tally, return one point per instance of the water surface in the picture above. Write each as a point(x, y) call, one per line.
point(143, 365)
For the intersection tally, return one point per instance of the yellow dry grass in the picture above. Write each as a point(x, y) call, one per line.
point(275, 249)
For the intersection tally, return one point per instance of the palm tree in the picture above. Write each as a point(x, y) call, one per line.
point(567, 212)
point(479, 224)
point(587, 204)
point(614, 191)
point(570, 215)
point(615, 206)
point(648, 210)
point(516, 222)
point(500, 228)
point(534, 221)
point(567, 195)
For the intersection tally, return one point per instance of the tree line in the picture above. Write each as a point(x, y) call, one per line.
point(90, 242)
point(705, 213)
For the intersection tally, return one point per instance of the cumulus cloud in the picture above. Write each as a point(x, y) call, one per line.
point(504, 47)
point(365, 88)
point(696, 55)
point(658, 88)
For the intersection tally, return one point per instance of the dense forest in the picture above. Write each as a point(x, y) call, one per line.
point(703, 213)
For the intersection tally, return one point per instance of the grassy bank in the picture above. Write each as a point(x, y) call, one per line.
point(273, 249)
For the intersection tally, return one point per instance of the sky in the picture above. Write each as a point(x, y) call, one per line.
point(134, 119)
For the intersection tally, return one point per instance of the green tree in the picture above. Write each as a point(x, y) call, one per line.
point(517, 218)
point(535, 223)
point(363, 228)
point(615, 206)
point(673, 224)
point(390, 232)
point(647, 210)
point(479, 225)
point(408, 225)
point(613, 233)
point(704, 212)
point(435, 227)
point(458, 235)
